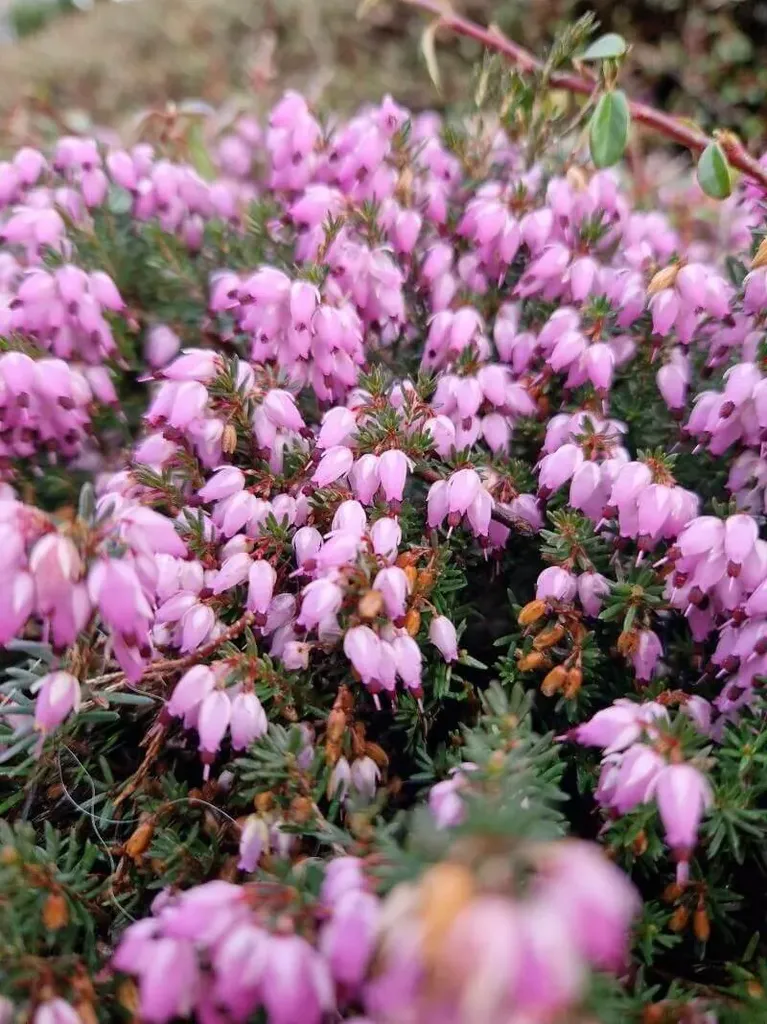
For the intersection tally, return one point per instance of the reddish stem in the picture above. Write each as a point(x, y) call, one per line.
point(685, 135)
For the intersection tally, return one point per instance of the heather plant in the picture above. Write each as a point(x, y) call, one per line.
point(384, 606)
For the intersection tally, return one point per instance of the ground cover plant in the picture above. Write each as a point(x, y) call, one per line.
point(384, 604)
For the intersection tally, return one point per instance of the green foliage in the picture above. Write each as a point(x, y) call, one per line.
point(609, 128)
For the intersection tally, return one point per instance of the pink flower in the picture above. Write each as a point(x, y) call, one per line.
point(169, 981)
point(592, 589)
point(462, 488)
point(59, 694)
point(191, 689)
point(393, 467)
point(618, 726)
point(408, 659)
point(261, 582)
point(160, 346)
point(296, 987)
point(393, 584)
point(347, 940)
point(280, 407)
point(365, 775)
point(647, 654)
point(213, 720)
point(637, 771)
point(335, 463)
point(225, 482)
point(597, 900)
point(232, 572)
point(196, 626)
point(442, 634)
point(320, 600)
point(339, 424)
point(55, 1011)
point(556, 468)
point(556, 584)
point(248, 720)
point(683, 796)
point(365, 478)
point(363, 649)
point(254, 838)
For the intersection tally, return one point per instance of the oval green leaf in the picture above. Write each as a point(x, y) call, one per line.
point(609, 129)
point(714, 172)
point(608, 46)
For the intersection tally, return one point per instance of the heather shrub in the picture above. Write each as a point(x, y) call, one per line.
point(384, 606)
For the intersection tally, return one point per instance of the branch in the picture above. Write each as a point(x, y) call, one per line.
point(690, 137)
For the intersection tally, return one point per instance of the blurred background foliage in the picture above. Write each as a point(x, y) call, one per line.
point(703, 59)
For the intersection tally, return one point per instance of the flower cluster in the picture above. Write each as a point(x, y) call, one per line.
point(396, 402)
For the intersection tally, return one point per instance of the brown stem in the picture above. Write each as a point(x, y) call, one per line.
point(686, 135)
point(174, 664)
point(116, 680)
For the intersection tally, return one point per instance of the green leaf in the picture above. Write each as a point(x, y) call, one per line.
point(608, 46)
point(119, 201)
point(714, 172)
point(609, 129)
point(198, 151)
